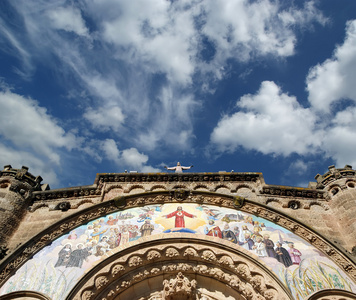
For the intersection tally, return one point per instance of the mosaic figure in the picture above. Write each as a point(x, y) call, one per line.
point(269, 246)
point(212, 229)
point(248, 243)
point(147, 228)
point(295, 254)
point(77, 257)
point(259, 247)
point(282, 255)
point(228, 234)
point(63, 256)
point(179, 215)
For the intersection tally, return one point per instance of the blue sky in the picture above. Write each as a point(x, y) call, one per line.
point(91, 87)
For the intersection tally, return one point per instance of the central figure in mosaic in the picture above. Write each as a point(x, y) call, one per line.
point(179, 214)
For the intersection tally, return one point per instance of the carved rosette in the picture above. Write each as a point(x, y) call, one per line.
point(182, 278)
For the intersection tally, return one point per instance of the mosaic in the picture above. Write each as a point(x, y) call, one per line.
point(58, 267)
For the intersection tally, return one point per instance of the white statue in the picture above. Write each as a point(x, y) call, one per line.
point(178, 168)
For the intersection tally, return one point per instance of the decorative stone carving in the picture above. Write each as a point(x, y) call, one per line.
point(26, 251)
point(238, 202)
point(208, 255)
point(226, 260)
point(172, 252)
point(252, 283)
point(153, 255)
point(179, 287)
point(117, 269)
point(135, 261)
point(180, 194)
point(100, 282)
point(192, 252)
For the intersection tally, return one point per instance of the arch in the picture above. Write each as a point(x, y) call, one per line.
point(159, 260)
point(134, 187)
point(158, 187)
point(221, 186)
point(241, 186)
point(201, 186)
point(114, 186)
point(350, 183)
point(25, 252)
point(25, 295)
point(273, 200)
point(82, 202)
point(332, 294)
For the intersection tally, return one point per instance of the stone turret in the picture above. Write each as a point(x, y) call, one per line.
point(341, 187)
point(16, 187)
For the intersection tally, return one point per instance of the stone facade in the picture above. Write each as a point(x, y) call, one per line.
point(323, 215)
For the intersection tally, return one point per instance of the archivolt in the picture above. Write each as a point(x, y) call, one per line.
point(12, 263)
point(157, 259)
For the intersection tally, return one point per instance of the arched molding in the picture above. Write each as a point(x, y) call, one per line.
point(351, 183)
point(201, 186)
point(134, 187)
point(80, 203)
point(244, 185)
point(110, 187)
point(25, 295)
point(167, 255)
point(178, 186)
point(44, 238)
point(222, 186)
point(332, 294)
point(274, 200)
point(157, 187)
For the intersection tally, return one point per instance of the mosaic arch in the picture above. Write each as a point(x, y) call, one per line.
point(299, 265)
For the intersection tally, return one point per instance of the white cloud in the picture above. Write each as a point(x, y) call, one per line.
point(298, 167)
point(26, 124)
point(133, 158)
point(131, 42)
point(340, 137)
point(68, 19)
point(165, 38)
point(37, 165)
point(105, 119)
point(270, 122)
point(334, 79)
point(130, 158)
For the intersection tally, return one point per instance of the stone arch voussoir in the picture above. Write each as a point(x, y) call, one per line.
point(162, 259)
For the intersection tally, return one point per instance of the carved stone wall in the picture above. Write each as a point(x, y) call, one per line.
point(180, 267)
point(323, 214)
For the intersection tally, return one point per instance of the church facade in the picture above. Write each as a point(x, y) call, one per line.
point(146, 236)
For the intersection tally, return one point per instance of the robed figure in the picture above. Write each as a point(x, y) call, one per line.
point(147, 228)
point(283, 256)
point(228, 234)
point(77, 257)
point(63, 256)
point(212, 229)
point(295, 254)
point(179, 214)
point(269, 246)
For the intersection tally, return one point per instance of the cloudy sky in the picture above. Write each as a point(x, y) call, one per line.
point(95, 86)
